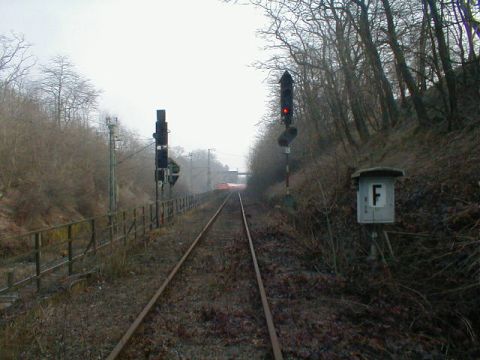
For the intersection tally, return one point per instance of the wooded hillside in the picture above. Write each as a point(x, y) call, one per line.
point(383, 83)
point(54, 146)
point(362, 67)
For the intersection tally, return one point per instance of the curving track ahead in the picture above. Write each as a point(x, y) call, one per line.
point(140, 319)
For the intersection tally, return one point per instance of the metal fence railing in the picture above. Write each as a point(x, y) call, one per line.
point(47, 250)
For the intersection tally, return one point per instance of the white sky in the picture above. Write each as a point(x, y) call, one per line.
point(190, 57)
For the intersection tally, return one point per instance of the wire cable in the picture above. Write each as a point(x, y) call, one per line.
point(135, 153)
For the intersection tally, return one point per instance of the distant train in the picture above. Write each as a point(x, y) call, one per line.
point(230, 186)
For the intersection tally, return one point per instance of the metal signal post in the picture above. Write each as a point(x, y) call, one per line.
point(287, 170)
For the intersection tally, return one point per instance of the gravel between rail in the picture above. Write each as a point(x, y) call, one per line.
point(212, 310)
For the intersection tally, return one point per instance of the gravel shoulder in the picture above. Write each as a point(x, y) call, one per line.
point(315, 313)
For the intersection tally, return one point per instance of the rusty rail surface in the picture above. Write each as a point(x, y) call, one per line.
point(133, 327)
point(277, 352)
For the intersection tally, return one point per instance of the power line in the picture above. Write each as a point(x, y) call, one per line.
point(227, 154)
point(135, 153)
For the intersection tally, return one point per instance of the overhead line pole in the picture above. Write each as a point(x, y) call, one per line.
point(191, 171)
point(209, 175)
point(112, 124)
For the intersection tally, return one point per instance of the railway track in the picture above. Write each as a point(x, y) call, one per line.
point(226, 233)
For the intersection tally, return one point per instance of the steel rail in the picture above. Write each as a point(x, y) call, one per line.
point(277, 351)
point(133, 327)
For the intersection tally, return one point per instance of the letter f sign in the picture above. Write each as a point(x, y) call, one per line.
point(376, 195)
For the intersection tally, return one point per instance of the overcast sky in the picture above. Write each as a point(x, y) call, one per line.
point(190, 57)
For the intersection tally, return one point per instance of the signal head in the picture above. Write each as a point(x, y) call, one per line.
point(286, 98)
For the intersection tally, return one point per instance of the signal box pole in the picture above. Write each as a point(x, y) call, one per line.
point(287, 170)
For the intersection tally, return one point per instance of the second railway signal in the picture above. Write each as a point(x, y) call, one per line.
point(173, 172)
point(161, 133)
point(161, 129)
point(162, 158)
point(161, 141)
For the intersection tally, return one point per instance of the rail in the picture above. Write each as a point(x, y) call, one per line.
point(277, 353)
point(139, 319)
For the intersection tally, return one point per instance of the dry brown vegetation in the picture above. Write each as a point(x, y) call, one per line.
point(54, 149)
point(348, 69)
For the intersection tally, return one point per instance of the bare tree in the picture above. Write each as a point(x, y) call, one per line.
point(15, 59)
point(70, 96)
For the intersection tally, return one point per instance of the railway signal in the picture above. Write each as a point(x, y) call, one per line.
point(284, 140)
point(173, 171)
point(286, 98)
point(161, 157)
point(287, 136)
point(161, 133)
point(161, 142)
point(161, 130)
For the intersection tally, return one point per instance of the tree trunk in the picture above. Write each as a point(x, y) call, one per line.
point(337, 108)
point(374, 57)
point(446, 64)
point(351, 84)
point(402, 64)
point(422, 54)
point(401, 85)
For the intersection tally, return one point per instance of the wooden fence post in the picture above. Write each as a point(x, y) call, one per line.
point(38, 244)
point(70, 250)
point(10, 279)
point(163, 212)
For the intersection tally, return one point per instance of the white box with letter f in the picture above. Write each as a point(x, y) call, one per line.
point(376, 194)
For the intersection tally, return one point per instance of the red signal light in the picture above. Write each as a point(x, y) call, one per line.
point(285, 111)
